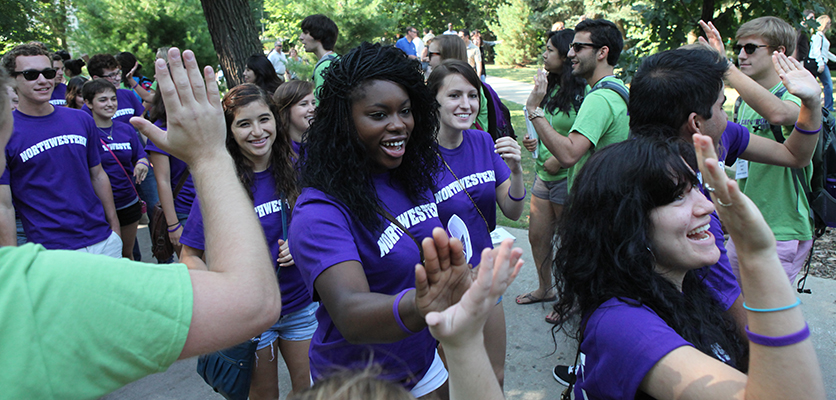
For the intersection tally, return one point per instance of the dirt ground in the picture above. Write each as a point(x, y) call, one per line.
point(823, 264)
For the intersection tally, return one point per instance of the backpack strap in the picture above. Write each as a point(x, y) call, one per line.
point(615, 87)
point(491, 111)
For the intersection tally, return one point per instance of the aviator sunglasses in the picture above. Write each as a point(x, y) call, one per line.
point(32, 74)
point(749, 48)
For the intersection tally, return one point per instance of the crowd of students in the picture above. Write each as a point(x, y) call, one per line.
point(318, 217)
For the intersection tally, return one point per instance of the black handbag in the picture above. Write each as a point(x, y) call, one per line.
point(230, 370)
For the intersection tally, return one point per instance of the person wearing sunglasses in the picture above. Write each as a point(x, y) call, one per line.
point(105, 66)
point(54, 171)
point(769, 110)
point(602, 118)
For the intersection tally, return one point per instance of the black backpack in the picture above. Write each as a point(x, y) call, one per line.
point(499, 117)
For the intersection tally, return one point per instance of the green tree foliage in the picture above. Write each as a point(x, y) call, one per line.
point(41, 20)
point(358, 20)
point(141, 26)
point(519, 38)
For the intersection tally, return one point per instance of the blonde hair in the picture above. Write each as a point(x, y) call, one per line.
point(775, 32)
point(823, 20)
point(352, 385)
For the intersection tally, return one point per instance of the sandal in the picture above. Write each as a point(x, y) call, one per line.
point(529, 298)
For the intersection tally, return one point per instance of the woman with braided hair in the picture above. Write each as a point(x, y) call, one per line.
point(367, 173)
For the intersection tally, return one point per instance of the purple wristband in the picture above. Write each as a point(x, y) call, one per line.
point(806, 132)
point(144, 163)
point(779, 341)
point(397, 313)
point(525, 192)
point(176, 227)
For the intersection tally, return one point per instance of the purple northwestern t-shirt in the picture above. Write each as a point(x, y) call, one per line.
point(269, 208)
point(128, 149)
point(183, 202)
point(129, 106)
point(325, 233)
point(480, 170)
point(48, 161)
point(59, 95)
point(719, 277)
point(621, 342)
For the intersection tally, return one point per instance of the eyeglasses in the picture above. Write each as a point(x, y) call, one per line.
point(749, 48)
point(578, 46)
point(32, 74)
point(114, 74)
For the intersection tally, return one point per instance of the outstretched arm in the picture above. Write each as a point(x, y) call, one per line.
point(797, 150)
point(775, 110)
point(459, 328)
point(239, 298)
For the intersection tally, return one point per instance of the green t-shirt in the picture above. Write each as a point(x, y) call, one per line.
point(602, 119)
point(561, 122)
point(319, 70)
point(772, 188)
point(482, 116)
point(79, 326)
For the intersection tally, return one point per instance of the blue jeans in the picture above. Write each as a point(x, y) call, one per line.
point(826, 81)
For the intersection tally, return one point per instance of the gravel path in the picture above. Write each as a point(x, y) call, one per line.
point(823, 264)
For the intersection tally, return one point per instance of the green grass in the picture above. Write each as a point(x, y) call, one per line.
point(524, 74)
point(518, 121)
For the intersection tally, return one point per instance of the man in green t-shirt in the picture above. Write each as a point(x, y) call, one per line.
point(319, 35)
point(773, 189)
point(602, 118)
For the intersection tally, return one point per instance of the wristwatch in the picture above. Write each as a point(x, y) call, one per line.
point(537, 113)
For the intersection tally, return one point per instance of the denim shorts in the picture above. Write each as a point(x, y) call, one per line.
point(295, 327)
point(553, 191)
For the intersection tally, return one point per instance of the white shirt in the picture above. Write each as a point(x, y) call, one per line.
point(278, 60)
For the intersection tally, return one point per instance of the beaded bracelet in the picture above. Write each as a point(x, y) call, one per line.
point(525, 191)
point(176, 227)
point(765, 310)
point(397, 313)
point(779, 341)
point(806, 132)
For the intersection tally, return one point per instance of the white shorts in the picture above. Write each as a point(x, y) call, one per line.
point(112, 246)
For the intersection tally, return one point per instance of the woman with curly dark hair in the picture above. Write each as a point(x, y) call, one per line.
point(261, 72)
point(634, 244)
point(558, 94)
point(368, 166)
point(264, 163)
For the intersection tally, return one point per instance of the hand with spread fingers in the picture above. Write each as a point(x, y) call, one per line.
point(445, 275)
point(714, 41)
point(196, 128)
point(797, 79)
point(739, 214)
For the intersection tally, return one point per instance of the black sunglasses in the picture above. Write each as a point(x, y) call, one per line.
point(32, 74)
point(749, 48)
point(578, 46)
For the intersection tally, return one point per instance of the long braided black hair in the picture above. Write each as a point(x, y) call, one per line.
point(335, 161)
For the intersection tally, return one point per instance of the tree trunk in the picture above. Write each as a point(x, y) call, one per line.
point(707, 10)
point(234, 35)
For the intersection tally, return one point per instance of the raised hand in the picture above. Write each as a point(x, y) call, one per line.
point(715, 41)
point(464, 320)
point(445, 275)
point(797, 79)
point(740, 216)
point(509, 150)
point(196, 128)
point(537, 95)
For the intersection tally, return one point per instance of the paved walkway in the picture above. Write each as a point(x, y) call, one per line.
point(531, 350)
